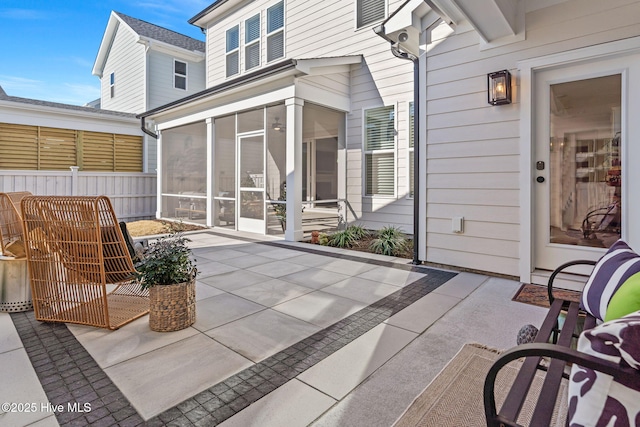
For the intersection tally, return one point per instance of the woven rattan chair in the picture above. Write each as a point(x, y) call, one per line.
point(80, 268)
point(11, 239)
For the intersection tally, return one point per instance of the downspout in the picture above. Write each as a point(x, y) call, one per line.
point(143, 126)
point(416, 147)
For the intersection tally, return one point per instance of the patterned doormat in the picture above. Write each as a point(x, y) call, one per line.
point(537, 295)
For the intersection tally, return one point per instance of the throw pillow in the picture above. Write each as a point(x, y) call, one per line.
point(612, 270)
point(626, 300)
point(595, 399)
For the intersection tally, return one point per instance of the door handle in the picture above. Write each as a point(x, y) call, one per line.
point(540, 179)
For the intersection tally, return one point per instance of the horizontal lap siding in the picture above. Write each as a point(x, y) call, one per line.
point(473, 148)
point(315, 29)
point(161, 79)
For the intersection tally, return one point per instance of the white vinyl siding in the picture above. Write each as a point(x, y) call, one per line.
point(126, 62)
point(275, 31)
point(379, 151)
point(179, 74)
point(369, 12)
point(233, 51)
point(161, 74)
point(252, 42)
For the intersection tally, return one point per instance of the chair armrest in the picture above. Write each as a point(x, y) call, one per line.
point(553, 351)
point(560, 269)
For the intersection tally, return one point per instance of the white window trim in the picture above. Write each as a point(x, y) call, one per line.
point(372, 24)
point(258, 40)
point(410, 150)
point(267, 35)
point(112, 85)
point(226, 54)
point(186, 74)
point(393, 150)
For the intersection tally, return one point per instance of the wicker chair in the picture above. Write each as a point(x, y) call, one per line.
point(80, 268)
point(11, 238)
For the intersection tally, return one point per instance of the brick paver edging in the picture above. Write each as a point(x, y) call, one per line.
point(69, 374)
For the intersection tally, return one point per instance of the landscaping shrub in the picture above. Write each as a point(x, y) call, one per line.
point(389, 241)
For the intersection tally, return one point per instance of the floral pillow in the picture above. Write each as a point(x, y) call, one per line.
point(595, 399)
point(612, 270)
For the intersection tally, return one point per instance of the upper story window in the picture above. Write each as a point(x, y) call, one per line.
point(252, 42)
point(275, 31)
point(112, 84)
point(379, 151)
point(369, 11)
point(233, 51)
point(179, 74)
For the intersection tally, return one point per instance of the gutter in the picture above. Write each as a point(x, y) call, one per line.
point(143, 126)
point(379, 30)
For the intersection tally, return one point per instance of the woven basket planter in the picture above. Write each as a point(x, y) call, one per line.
point(172, 307)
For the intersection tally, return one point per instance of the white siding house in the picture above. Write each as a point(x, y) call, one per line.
point(526, 175)
point(512, 189)
point(142, 66)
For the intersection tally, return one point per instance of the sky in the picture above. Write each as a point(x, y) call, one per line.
point(48, 47)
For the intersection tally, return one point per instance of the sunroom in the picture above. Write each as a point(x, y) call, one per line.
point(264, 153)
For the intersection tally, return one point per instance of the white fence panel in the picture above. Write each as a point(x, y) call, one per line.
point(133, 195)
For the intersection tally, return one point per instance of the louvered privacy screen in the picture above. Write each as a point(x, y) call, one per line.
point(40, 148)
point(370, 11)
point(380, 151)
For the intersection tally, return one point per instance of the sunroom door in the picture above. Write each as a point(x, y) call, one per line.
point(581, 160)
point(251, 203)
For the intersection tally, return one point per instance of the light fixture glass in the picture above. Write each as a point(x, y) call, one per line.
point(277, 126)
point(499, 87)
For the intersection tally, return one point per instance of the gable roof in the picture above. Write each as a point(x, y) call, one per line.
point(3, 94)
point(146, 33)
point(155, 32)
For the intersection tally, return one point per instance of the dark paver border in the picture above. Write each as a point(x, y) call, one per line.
point(69, 374)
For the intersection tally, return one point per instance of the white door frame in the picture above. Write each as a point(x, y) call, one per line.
point(527, 138)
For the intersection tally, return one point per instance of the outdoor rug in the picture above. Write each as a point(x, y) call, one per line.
point(455, 396)
point(537, 295)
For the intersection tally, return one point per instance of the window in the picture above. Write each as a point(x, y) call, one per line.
point(369, 11)
point(233, 51)
point(252, 42)
point(112, 84)
point(411, 144)
point(275, 31)
point(179, 74)
point(379, 146)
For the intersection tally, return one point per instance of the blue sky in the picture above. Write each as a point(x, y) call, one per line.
point(48, 47)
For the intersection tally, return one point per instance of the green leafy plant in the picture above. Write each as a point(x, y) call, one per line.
point(167, 261)
point(342, 239)
point(389, 241)
point(323, 239)
point(359, 232)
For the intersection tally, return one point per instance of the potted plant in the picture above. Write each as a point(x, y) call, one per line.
point(168, 271)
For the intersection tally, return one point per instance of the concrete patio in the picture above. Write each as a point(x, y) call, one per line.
point(287, 334)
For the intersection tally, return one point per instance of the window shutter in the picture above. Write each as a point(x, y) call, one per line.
point(275, 46)
point(233, 63)
point(380, 131)
point(370, 11)
point(275, 17)
point(252, 29)
point(380, 174)
point(252, 56)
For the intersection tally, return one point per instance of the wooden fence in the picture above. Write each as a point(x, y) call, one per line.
point(132, 194)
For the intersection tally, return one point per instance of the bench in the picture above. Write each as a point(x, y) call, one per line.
point(554, 342)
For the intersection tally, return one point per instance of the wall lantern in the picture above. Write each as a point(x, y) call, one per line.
point(499, 87)
point(277, 126)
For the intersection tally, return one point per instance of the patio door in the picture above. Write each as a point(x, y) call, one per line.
point(581, 159)
point(251, 182)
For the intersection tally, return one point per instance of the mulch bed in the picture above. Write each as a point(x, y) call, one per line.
point(537, 295)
